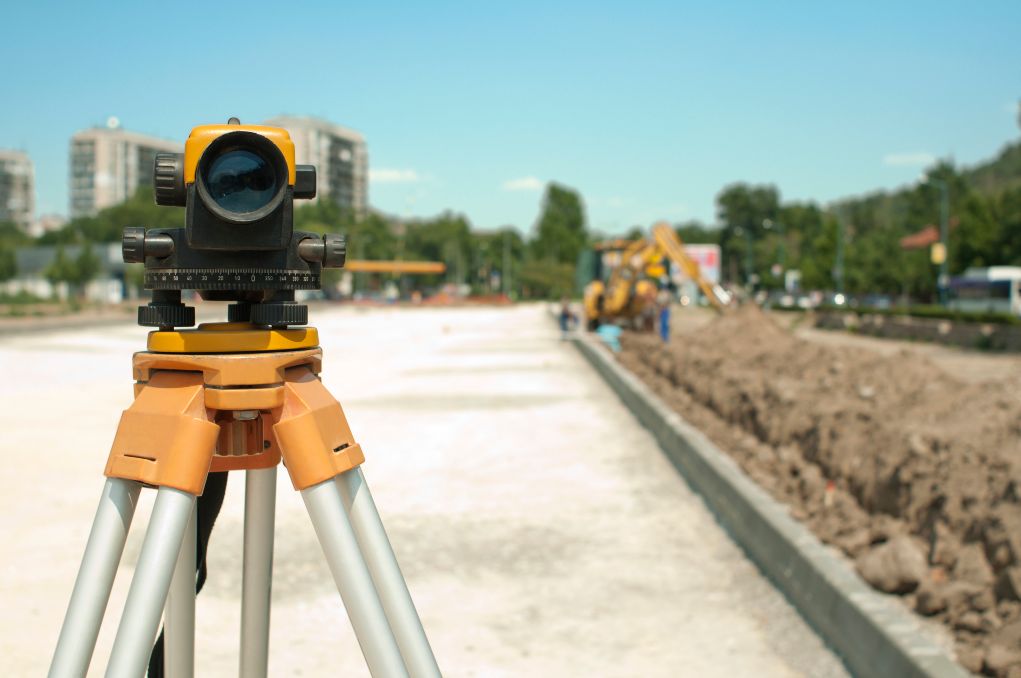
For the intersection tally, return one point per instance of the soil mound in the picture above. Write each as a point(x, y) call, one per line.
point(908, 470)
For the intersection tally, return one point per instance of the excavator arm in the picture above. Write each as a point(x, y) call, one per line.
point(666, 238)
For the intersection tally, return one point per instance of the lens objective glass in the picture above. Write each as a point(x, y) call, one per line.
point(240, 181)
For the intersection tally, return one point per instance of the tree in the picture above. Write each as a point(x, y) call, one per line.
point(547, 280)
point(8, 263)
point(76, 272)
point(108, 224)
point(11, 237)
point(59, 270)
point(742, 209)
point(1006, 209)
point(560, 233)
point(86, 266)
point(635, 233)
point(697, 232)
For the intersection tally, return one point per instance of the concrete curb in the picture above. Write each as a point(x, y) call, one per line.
point(874, 635)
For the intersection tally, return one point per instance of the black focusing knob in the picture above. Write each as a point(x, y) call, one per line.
point(168, 179)
point(166, 315)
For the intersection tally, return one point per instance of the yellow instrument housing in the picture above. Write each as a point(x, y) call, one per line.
point(203, 135)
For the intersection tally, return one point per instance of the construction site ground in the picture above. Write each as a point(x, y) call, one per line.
point(541, 530)
point(903, 456)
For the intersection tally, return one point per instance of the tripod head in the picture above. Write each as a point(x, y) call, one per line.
point(237, 184)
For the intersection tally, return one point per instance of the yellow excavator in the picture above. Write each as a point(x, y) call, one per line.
point(629, 294)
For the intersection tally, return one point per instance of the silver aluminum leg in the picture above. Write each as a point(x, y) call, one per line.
point(257, 577)
point(148, 593)
point(353, 580)
point(95, 578)
point(386, 573)
point(179, 616)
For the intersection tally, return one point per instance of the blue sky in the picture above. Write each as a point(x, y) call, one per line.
point(647, 108)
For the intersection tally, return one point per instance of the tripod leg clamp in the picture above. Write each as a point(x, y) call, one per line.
point(165, 438)
point(312, 432)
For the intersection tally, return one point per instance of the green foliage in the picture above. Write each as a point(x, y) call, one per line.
point(984, 218)
point(76, 271)
point(1000, 174)
point(694, 232)
point(8, 264)
point(560, 233)
point(929, 311)
point(108, 225)
point(20, 298)
point(470, 257)
point(11, 237)
point(635, 233)
point(547, 280)
point(743, 210)
point(758, 234)
point(60, 269)
point(86, 265)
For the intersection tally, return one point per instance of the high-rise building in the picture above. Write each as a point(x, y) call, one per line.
point(108, 164)
point(17, 188)
point(339, 155)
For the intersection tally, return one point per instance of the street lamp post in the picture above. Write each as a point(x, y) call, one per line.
point(838, 265)
point(942, 283)
point(748, 272)
point(781, 257)
point(505, 276)
point(361, 243)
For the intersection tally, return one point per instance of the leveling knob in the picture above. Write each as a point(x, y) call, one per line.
point(330, 250)
point(136, 245)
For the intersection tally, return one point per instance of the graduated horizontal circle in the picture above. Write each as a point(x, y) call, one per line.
point(230, 279)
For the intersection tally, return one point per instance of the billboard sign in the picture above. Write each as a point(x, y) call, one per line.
point(707, 256)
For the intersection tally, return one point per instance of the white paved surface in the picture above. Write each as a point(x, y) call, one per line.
point(541, 530)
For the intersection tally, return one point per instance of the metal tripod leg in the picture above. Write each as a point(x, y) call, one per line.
point(257, 577)
point(386, 573)
point(95, 578)
point(333, 528)
point(179, 616)
point(148, 593)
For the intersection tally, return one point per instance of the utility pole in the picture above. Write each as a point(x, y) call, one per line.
point(505, 276)
point(943, 282)
point(838, 267)
point(781, 251)
point(361, 242)
point(748, 258)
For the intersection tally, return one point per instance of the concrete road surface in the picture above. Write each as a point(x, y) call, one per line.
point(541, 530)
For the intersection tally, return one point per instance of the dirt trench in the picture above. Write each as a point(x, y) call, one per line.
point(912, 473)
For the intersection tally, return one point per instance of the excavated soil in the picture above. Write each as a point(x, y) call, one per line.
point(911, 472)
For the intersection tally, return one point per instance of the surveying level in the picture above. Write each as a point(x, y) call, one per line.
point(238, 185)
point(241, 395)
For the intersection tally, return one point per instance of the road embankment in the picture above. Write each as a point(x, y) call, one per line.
point(875, 634)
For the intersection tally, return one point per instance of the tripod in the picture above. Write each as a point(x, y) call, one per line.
point(232, 397)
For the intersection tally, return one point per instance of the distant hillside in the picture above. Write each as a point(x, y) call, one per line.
point(999, 174)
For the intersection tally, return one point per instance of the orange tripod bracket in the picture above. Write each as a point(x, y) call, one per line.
point(196, 413)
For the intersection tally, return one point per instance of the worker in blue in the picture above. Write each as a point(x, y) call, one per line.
point(663, 301)
point(566, 316)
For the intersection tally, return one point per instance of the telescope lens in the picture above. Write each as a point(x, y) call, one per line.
point(240, 181)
